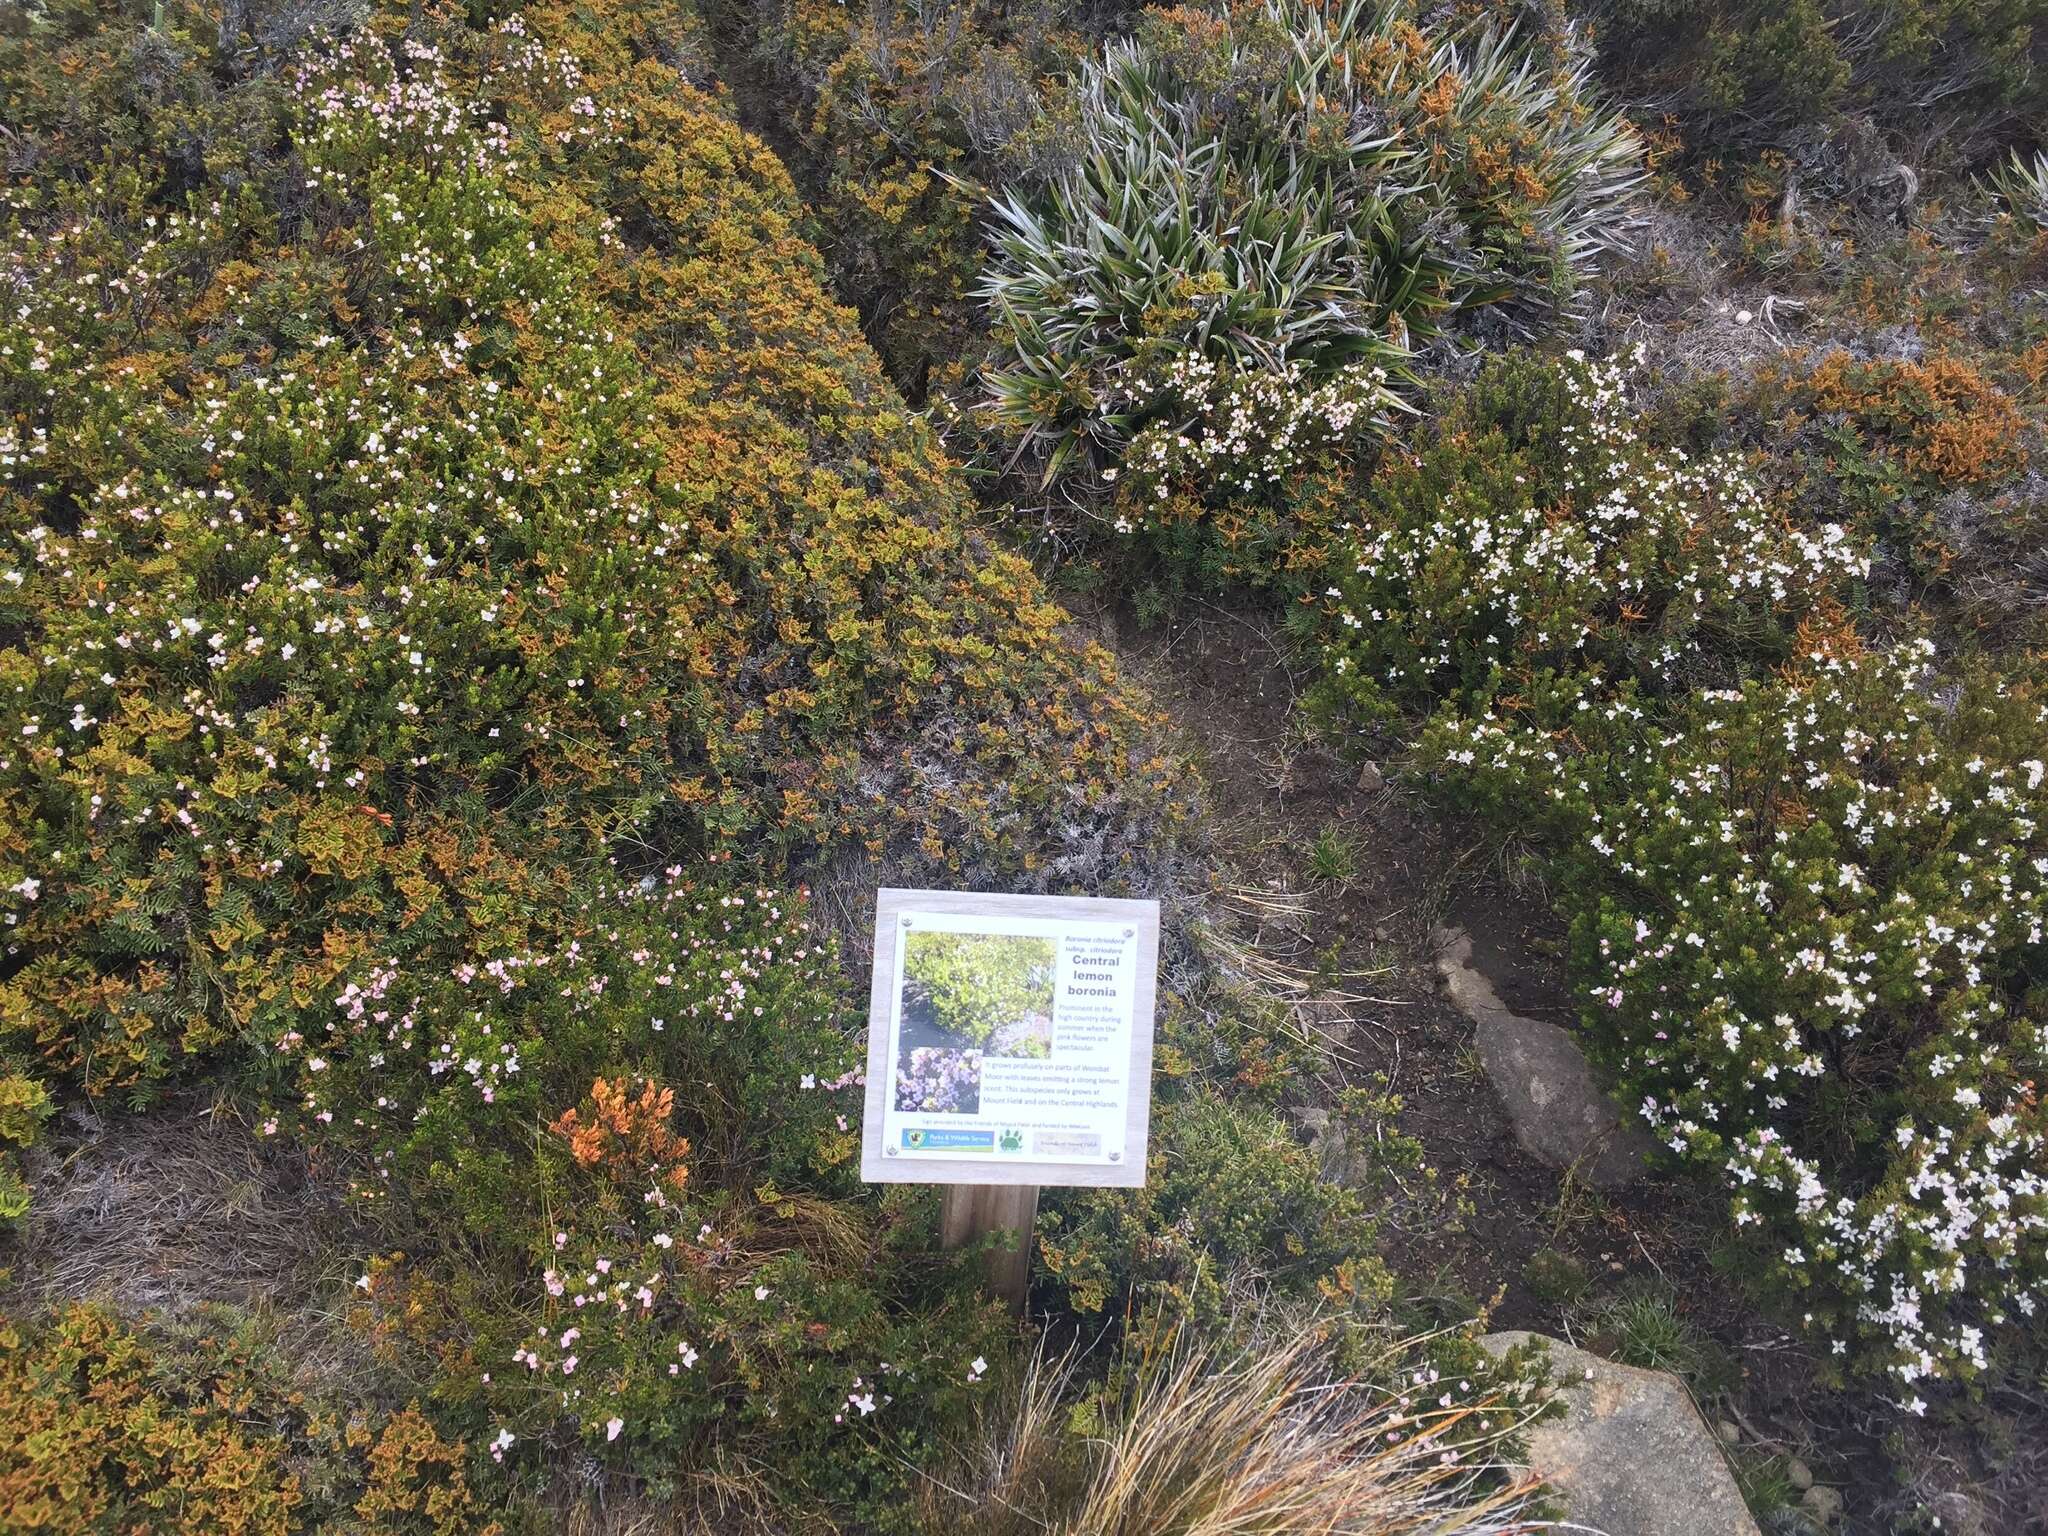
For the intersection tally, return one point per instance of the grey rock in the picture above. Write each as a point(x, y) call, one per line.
point(1631, 1456)
point(1370, 779)
point(1823, 1503)
point(1314, 1121)
point(1728, 1432)
point(1559, 1112)
point(1960, 1515)
point(1798, 1473)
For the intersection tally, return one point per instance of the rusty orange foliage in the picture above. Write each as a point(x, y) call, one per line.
point(627, 1136)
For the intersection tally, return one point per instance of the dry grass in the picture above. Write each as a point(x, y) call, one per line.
point(166, 1210)
point(1211, 1441)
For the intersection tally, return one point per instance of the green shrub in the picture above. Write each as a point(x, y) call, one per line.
point(889, 106)
point(1745, 73)
point(24, 1106)
point(1231, 1198)
point(388, 536)
point(637, 1152)
point(1294, 185)
point(1804, 880)
point(2022, 185)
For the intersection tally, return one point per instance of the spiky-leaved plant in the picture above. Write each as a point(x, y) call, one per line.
point(1311, 187)
point(2022, 185)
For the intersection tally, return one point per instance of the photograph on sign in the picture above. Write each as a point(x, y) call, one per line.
point(1012, 1034)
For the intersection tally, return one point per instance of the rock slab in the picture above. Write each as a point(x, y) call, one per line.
point(1561, 1115)
point(1631, 1456)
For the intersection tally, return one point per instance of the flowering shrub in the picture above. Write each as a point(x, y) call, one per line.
point(933, 1078)
point(1804, 911)
point(754, 1302)
point(436, 1077)
point(1537, 554)
point(1803, 900)
point(369, 566)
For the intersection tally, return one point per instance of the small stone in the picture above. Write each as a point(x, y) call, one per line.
point(1960, 1515)
point(1823, 1503)
point(1798, 1474)
point(1560, 1113)
point(1729, 1434)
point(1743, 317)
point(1370, 779)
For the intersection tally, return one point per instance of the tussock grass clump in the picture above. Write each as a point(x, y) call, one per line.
point(1304, 186)
point(1256, 1440)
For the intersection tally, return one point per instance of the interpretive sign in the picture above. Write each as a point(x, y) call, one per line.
point(1010, 1039)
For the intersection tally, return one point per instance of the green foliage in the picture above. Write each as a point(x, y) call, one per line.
point(2022, 185)
point(1746, 73)
point(978, 984)
point(436, 490)
point(1230, 1198)
point(196, 1425)
point(1333, 856)
point(1295, 185)
point(1555, 1277)
point(1642, 1327)
point(387, 538)
point(889, 104)
point(1804, 880)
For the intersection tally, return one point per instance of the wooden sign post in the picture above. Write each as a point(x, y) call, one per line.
point(1009, 1047)
point(969, 1212)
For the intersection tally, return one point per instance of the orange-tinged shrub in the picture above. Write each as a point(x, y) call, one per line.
point(444, 497)
point(1941, 419)
point(418, 1482)
point(91, 1442)
point(628, 1137)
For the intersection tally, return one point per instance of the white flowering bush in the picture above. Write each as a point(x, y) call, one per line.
point(643, 1142)
point(1807, 912)
point(1240, 433)
point(1534, 549)
point(1807, 882)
